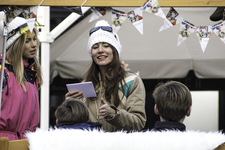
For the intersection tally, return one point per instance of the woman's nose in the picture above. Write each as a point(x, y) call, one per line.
point(100, 48)
point(33, 43)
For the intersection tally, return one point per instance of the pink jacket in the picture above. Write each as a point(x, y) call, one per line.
point(19, 109)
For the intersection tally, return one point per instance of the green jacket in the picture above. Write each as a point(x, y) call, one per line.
point(131, 111)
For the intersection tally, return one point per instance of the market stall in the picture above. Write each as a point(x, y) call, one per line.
point(47, 37)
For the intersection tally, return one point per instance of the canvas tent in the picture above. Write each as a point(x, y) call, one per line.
point(154, 54)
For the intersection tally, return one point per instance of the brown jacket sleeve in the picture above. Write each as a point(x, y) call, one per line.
point(133, 117)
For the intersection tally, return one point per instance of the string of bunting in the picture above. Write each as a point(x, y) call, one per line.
point(171, 19)
point(135, 16)
point(27, 13)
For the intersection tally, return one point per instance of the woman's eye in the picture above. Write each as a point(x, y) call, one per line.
point(27, 41)
point(106, 45)
point(94, 47)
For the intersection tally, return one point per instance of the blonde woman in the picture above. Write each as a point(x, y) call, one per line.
point(22, 75)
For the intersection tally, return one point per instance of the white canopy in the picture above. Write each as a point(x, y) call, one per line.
point(154, 54)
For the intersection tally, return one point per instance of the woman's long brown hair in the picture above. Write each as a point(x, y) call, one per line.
point(114, 75)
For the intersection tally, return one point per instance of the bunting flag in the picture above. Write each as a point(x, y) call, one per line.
point(75, 9)
point(136, 18)
point(186, 29)
point(219, 30)
point(152, 6)
point(172, 18)
point(203, 34)
point(27, 12)
point(118, 18)
point(2, 19)
point(98, 12)
point(20, 11)
point(30, 23)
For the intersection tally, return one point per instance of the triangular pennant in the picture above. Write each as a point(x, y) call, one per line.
point(186, 29)
point(136, 18)
point(203, 34)
point(20, 11)
point(118, 18)
point(30, 23)
point(32, 12)
point(152, 6)
point(75, 9)
point(166, 24)
point(219, 30)
point(98, 12)
point(172, 18)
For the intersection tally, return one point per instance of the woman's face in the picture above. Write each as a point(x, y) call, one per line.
point(30, 46)
point(102, 54)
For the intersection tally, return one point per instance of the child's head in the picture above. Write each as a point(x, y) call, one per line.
point(172, 101)
point(72, 111)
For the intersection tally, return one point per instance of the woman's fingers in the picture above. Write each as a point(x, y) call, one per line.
point(74, 94)
point(71, 93)
point(80, 95)
point(105, 110)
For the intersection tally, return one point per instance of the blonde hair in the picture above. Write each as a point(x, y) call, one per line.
point(15, 57)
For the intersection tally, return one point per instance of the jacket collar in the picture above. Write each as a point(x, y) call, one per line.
point(168, 125)
point(29, 64)
point(83, 125)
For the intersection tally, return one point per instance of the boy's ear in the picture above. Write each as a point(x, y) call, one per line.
point(56, 121)
point(189, 111)
point(156, 109)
